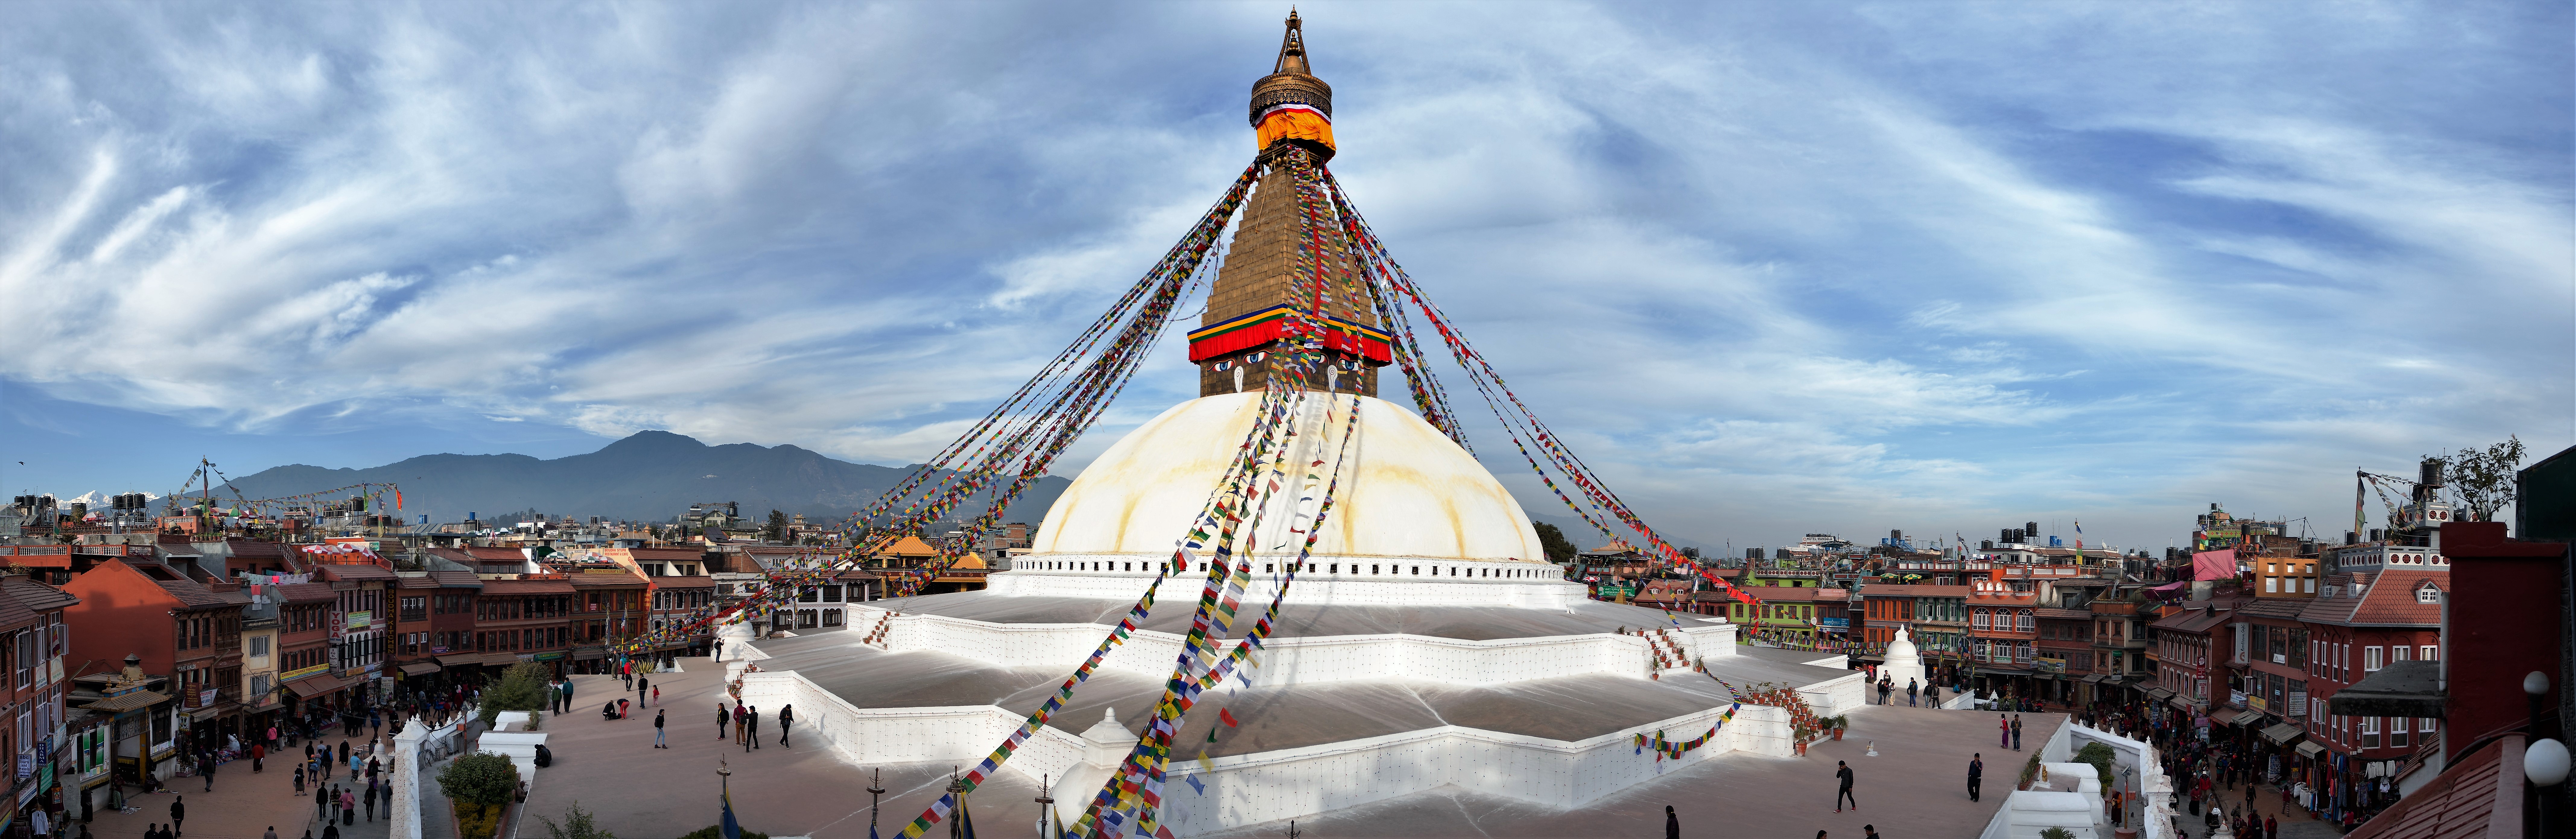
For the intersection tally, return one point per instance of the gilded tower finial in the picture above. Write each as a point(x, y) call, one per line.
point(1290, 104)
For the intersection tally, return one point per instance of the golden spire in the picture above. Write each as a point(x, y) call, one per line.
point(1290, 104)
point(1292, 48)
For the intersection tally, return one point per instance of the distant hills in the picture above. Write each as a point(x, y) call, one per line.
point(650, 476)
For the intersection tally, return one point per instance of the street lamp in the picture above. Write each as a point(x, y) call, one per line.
point(876, 790)
point(1046, 806)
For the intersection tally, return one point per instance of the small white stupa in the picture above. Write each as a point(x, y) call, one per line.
point(1903, 663)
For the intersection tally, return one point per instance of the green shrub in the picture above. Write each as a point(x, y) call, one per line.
point(2101, 757)
point(477, 821)
point(480, 778)
point(522, 688)
point(2057, 833)
point(716, 831)
point(577, 824)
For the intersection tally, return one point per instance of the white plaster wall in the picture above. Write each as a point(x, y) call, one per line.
point(1438, 583)
point(404, 821)
point(1317, 660)
point(1837, 696)
point(1289, 783)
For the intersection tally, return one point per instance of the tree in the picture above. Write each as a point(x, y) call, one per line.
point(522, 688)
point(577, 824)
point(2483, 480)
point(1553, 541)
point(481, 778)
point(777, 529)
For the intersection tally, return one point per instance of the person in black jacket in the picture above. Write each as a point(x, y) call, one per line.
point(657, 728)
point(751, 729)
point(786, 717)
point(1672, 824)
point(1976, 774)
point(178, 813)
point(1843, 773)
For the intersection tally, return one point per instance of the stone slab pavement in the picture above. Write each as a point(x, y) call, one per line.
point(242, 805)
point(1916, 787)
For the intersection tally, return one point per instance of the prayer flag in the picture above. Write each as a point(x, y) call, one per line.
point(1227, 717)
point(1195, 786)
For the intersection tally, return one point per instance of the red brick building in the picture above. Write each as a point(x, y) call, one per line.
point(610, 607)
point(179, 627)
point(527, 619)
point(304, 618)
point(433, 616)
point(33, 718)
point(2359, 623)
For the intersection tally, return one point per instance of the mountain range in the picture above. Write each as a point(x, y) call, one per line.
point(649, 476)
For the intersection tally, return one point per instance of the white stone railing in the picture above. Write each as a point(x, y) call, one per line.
point(1309, 660)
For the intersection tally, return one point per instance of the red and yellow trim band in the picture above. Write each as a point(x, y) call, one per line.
point(1271, 324)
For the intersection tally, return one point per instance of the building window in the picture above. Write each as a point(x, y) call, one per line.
point(2370, 731)
point(2370, 660)
point(2428, 594)
point(258, 647)
point(2425, 653)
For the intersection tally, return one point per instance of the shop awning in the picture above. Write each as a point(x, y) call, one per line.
point(2311, 749)
point(128, 702)
point(318, 684)
point(2282, 734)
point(2160, 693)
point(461, 659)
point(501, 659)
point(2184, 702)
point(588, 654)
point(2094, 679)
point(420, 668)
point(2223, 716)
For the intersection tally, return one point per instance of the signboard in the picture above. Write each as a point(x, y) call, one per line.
point(2298, 703)
point(2049, 664)
point(205, 697)
point(361, 620)
point(551, 655)
point(2257, 703)
point(2237, 698)
point(435, 650)
point(302, 672)
point(1842, 624)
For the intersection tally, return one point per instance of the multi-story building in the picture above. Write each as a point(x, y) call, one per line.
point(1791, 614)
point(306, 613)
point(526, 619)
point(184, 629)
point(679, 601)
point(2003, 634)
point(433, 617)
point(2183, 646)
point(1935, 616)
point(2360, 622)
point(2119, 646)
point(32, 643)
point(2065, 653)
point(365, 604)
point(609, 606)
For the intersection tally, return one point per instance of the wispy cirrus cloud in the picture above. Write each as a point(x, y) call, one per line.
point(1775, 268)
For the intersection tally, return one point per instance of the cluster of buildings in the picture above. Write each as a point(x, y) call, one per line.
point(141, 642)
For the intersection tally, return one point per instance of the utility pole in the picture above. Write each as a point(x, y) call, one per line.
point(876, 790)
point(1046, 807)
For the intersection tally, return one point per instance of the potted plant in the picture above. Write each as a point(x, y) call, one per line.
point(1837, 724)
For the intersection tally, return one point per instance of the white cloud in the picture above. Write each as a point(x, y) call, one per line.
point(1773, 269)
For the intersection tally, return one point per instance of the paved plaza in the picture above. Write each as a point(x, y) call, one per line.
point(243, 805)
point(1915, 787)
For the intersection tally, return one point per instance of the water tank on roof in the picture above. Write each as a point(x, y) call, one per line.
point(2032, 527)
point(1986, 545)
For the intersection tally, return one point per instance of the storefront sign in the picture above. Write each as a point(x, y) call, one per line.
point(205, 697)
point(438, 650)
point(554, 655)
point(302, 672)
point(2237, 698)
point(2258, 704)
point(2049, 664)
point(1835, 624)
point(361, 620)
point(2298, 704)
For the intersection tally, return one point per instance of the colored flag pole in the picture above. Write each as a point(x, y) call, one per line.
point(732, 829)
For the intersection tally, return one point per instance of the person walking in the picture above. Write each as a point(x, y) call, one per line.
point(368, 800)
point(299, 780)
point(206, 767)
point(786, 717)
point(721, 719)
point(331, 831)
point(1886, 686)
point(641, 684)
point(2003, 731)
point(2016, 732)
point(257, 752)
point(657, 694)
point(1911, 689)
point(751, 729)
point(737, 723)
point(271, 834)
point(348, 807)
point(1672, 823)
point(1843, 775)
point(322, 799)
point(1976, 774)
point(657, 730)
point(1932, 696)
point(385, 796)
point(2271, 828)
point(178, 813)
point(1869, 831)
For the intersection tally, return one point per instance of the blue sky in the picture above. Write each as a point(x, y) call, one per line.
point(1772, 267)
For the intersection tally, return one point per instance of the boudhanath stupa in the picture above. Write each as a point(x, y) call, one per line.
point(1425, 643)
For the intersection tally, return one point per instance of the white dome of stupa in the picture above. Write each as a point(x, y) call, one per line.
point(1407, 492)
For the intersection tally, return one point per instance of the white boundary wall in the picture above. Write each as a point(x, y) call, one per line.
point(1288, 783)
point(1394, 581)
point(1318, 660)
